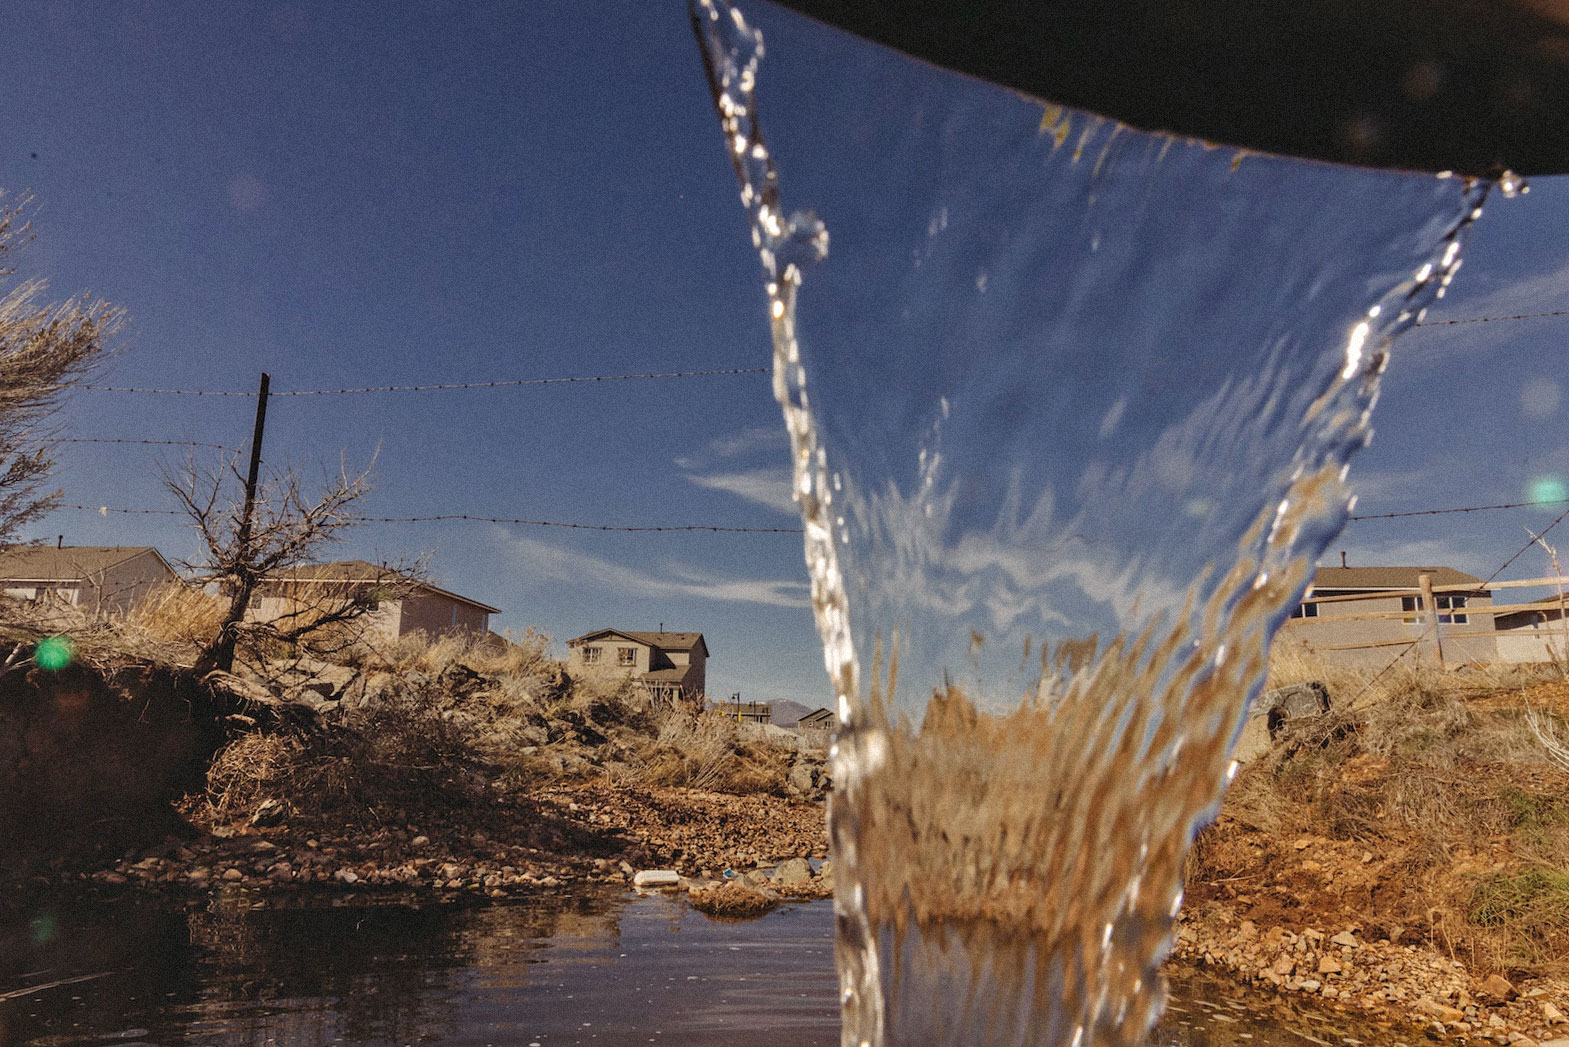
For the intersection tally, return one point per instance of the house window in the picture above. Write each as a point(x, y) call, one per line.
point(1445, 603)
point(1305, 610)
point(591, 655)
point(626, 655)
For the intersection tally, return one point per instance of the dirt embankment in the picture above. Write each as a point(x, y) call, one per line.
point(91, 761)
point(1407, 853)
point(488, 773)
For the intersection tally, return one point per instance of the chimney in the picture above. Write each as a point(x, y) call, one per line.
point(1342, 557)
point(59, 542)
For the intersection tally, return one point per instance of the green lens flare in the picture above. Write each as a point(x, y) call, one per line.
point(53, 652)
point(1548, 489)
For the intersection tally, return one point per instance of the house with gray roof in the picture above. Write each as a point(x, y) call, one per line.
point(1343, 632)
point(669, 665)
point(93, 579)
point(402, 606)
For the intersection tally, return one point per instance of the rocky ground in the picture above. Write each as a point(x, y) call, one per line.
point(569, 834)
point(1404, 857)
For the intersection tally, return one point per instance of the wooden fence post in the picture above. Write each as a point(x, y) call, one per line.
point(1426, 582)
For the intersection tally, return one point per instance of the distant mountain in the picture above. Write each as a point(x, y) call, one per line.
point(786, 713)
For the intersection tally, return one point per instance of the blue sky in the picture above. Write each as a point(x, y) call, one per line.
point(413, 192)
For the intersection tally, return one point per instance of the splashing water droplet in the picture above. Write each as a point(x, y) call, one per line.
point(1512, 185)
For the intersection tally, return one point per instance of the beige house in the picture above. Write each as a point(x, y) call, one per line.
point(95, 579)
point(669, 665)
point(401, 607)
point(1342, 632)
point(1537, 634)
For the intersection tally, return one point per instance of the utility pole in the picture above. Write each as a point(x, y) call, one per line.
point(256, 446)
point(225, 659)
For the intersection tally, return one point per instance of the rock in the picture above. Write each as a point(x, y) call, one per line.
point(1329, 965)
point(657, 878)
point(802, 781)
point(1553, 1015)
point(420, 841)
point(346, 875)
point(1346, 938)
point(233, 874)
point(1288, 705)
point(792, 872)
point(1497, 987)
point(1442, 1011)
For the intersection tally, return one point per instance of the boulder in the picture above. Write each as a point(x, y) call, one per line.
point(1497, 987)
point(1287, 705)
point(793, 872)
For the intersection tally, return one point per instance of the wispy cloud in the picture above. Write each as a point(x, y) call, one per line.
point(559, 563)
point(772, 438)
point(1431, 345)
point(766, 487)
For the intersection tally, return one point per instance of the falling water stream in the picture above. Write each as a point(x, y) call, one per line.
point(1070, 427)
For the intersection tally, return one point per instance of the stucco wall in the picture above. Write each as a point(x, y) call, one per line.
point(1332, 627)
point(382, 624)
point(437, 615)
point(1543, 641)
point(125, 584)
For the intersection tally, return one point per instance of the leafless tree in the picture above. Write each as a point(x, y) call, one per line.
point(269, 554)
point(45, 348)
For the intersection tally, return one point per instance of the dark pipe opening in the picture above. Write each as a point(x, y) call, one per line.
point(1473, 86)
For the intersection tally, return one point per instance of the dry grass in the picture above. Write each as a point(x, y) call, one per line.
point(179, 615)
point(1440, 778)
point(403, 752)
point(521, 654)
point(708, 752)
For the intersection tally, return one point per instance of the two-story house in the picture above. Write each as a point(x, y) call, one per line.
point(668, 665)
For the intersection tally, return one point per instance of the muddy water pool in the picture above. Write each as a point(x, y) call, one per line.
point(602, 969)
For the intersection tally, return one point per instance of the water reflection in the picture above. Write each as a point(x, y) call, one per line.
point(605, 970)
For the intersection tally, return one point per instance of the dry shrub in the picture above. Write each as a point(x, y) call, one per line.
point(1523, 919)
point(731, 901)
point(708, 752)
point(402, 754)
